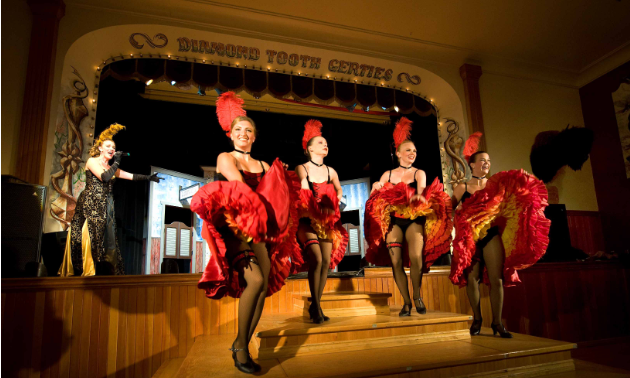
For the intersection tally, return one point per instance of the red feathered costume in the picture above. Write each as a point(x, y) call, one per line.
point(394, 200)
point(514, 201)
point(313, 206)
point(258, 210)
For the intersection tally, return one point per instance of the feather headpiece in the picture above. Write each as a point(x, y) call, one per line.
point(107, 134)
point(312, 129)
point(472, 145)
point(229, 106)
point(402, 131)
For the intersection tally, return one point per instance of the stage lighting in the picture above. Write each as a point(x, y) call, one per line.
point(201, 91)
point(367, 108)
point(173, 82)
point(396, 108)
point(150, 81)
point(219, 91)
point(351, 107)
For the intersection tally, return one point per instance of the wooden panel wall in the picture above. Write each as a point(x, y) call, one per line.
point(128, 326)
point(585, 228)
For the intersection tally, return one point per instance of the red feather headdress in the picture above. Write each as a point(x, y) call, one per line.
point(312, 129)
point(229, 106)
point(472, 145)
point(402, 131)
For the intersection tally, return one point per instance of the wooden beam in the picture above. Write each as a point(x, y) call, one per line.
point(38, 89)
point(470, 74)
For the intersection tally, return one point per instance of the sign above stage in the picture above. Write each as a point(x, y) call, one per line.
point(277, 59)
point(188, 192)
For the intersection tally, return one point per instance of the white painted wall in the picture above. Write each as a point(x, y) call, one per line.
point(515, 111)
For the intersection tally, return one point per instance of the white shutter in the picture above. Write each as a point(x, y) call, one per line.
point(184, 243)
point(354, 240)
point(170, 249)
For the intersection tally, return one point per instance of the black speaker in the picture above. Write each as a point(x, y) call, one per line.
point(560, 248)
point(22, 224)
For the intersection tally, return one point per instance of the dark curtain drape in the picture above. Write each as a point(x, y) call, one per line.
point(183, 137)
point(259, 82)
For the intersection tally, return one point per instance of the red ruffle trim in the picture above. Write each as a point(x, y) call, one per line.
point(515, 202)
point(325, 224)
point(395, 199)
point(257, 216)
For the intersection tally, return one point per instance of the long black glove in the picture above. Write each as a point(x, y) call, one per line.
point(108, 174)
point(154, 177)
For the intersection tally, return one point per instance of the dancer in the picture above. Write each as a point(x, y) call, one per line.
point(500, 228)
point(246, 218)
point(320, 233)
point(410, 218)
point(92, 246)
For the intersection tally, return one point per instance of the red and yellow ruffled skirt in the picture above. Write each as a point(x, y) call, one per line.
point(263, 215)
point(313, 208)
point(394, 199)
point(513, 203)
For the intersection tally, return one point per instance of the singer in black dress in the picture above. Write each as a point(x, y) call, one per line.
point(92, 246)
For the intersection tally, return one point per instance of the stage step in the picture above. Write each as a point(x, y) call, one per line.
point(480, 356)
point(288, 335)
point(344, 304)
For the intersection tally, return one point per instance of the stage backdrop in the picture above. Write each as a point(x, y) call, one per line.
point(73, 129)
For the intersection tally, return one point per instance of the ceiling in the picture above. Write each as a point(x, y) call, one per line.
point(569, 36)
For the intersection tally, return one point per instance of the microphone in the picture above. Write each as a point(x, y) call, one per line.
point(123, 153)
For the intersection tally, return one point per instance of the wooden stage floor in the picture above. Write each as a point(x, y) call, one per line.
point(483, 355)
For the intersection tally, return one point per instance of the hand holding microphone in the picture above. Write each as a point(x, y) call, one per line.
point(119, 154)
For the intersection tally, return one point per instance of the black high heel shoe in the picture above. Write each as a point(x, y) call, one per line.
point(310, 309)
point(316, 317)
point(248, 367)
point(475, 328)
point(326, 318)
point(406, 310)
point(503, 332)
point(257, 367)
point(420, 307)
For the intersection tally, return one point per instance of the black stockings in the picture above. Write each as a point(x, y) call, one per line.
point(493, 257)
point(254, 271)
point(414, 235)
point(319, 261)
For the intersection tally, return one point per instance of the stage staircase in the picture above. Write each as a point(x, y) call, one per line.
point(371, 340)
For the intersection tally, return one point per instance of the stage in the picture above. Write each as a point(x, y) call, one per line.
point(434, 344)
point(135, 325)
point(484, 355)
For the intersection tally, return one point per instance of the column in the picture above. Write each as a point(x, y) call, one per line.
point(38, 89)
point(470, 74)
